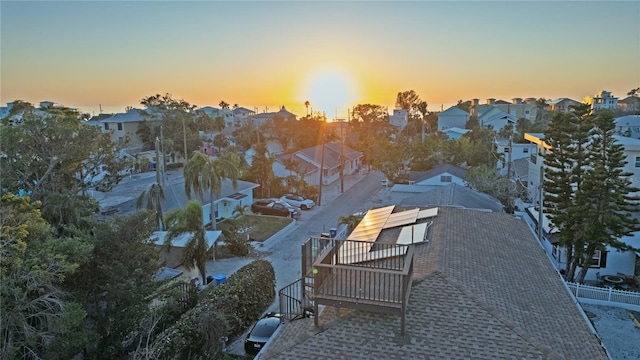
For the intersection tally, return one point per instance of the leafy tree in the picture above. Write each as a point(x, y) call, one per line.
point(484, 179)
point(189, 221)
point(224, 105)
point(541, 105)
point(203, 173)
point(115, 283)
point(407, 100)
point(35, 311)
point(261, 169)
point(153, 199)
point(179, 119)
point(246, 135)
point(220, 141)
point(55, 157)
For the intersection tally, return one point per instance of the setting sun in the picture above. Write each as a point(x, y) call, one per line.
point(331, 90)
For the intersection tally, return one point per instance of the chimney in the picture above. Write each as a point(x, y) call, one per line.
point(474, 107)
point(516, 101)
point(491, 101)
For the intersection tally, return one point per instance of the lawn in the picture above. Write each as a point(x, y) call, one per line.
point(262, 227)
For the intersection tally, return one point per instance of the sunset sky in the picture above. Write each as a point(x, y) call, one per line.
point(334, 54)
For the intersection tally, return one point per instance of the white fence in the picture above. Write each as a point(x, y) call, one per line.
point(605, 296)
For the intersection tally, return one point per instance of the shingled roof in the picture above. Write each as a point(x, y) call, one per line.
point(483, 289)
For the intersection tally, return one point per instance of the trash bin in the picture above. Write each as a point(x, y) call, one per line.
point(219, 278)
point(333, 232)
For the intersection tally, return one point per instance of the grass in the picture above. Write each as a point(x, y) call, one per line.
point(262, 227)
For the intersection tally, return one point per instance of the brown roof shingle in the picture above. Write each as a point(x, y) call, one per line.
point(483, 289)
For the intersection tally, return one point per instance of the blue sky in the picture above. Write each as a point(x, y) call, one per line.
point(334, 54)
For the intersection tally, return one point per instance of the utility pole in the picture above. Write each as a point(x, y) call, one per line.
point(184, 132)
point(157, 161)
point(164, 157)
point(540, 202)
point(341, 159)
point(321, 168)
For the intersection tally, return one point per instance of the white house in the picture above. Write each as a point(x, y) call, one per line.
point(602, 100)
point(561, 104)
point(230, 197)
point(511, 153)
point(453, 117)
point(495, 117)
point(399, 119)
point(214, 113)
point(628, 126)
point(309, 162)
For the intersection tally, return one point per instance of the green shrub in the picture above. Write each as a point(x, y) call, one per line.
point(196, 335)
point(174, 166)
point(245, 295)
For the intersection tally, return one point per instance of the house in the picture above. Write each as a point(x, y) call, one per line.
point(453, 117)
point(511, 152)
point(172, 257)
point(309, 161)
point(624, 261)
point(230, 198)
point(262, 118)
point(602, 100)
point(517, 108)
point(494, 117)
point(561, 104)
point(628, 126)
point(399, 119)
point(610, 261)
point(630, 104)
point(440, 175)
point(449, 195)
point(455, 133)
point(468, 293)
point(241, 115)
point(214, 113)
point(124, 126)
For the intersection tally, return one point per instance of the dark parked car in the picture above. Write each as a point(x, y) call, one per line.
point(274, 207)
point(261, 333)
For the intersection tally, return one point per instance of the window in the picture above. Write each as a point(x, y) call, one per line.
point(599, 259)
point(554, 251)
point(120, 140)
point(637, 161)
point(525, 150)
point(506, 149)
point(106, 126)
point(119, 126)
point(445, 178)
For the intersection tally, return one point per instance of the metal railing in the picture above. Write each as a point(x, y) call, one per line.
point(295, 301)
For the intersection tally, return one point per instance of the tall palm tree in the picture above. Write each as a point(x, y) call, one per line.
point(307, 103)
point(153, 198)
point(203, 173)
point(189, 221)
point(422, 109)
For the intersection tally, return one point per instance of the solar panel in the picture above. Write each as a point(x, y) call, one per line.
point(428, 213)
point(412, 234)
point(401, 218)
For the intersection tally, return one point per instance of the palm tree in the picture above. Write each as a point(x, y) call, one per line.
point(240, 210)
point(203, 173)
point(307, 103)
point(351, 221)
point(154, 198)
point(189, 220)
point(541, 104)
point(422, 109)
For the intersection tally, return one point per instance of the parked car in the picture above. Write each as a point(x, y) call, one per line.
point(298, 201)
point(274, 207)
point(261, 333)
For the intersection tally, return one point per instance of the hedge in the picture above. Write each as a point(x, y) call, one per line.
point(245, 295)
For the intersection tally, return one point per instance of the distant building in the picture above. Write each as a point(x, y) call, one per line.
point(561, 104)
point(602, 100)
point(630, 104)
point(453, 117)
point(399, 119)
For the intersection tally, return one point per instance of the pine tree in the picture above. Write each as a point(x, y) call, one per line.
point(605, 196)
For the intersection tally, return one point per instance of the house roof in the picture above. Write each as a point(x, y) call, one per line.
point(181, 241)
point(331, 154)
point(492, 113)
point(456, 130)
point(457, 171)
point(482, 289)
point(133, 115)
point(628, 120)
point(452, 195)
point(454, 110)
point(227, 189)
